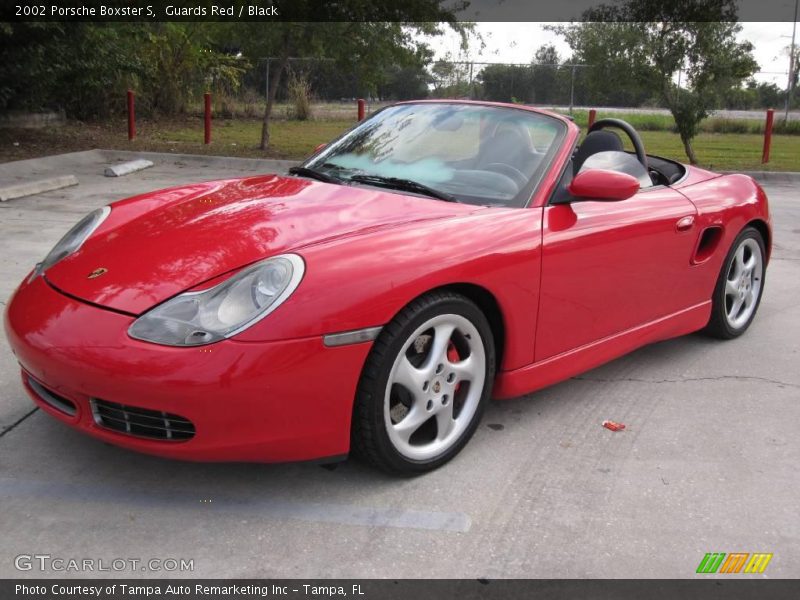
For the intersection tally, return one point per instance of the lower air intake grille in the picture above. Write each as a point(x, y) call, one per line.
point(142, 422)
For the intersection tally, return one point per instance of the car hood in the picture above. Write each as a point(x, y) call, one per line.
point(158, 245)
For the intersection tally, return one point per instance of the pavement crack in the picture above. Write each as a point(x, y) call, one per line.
point(690, 379)
point(17, 422)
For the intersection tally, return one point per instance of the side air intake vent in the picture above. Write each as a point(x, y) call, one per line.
point(52, 399)
point(709, 240)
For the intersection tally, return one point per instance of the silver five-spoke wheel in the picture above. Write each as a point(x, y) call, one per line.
point(740, 285)
point(743, 283)
point(424, 385)
point(434, 386)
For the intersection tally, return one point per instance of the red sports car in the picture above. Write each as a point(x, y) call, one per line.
point(434, 256)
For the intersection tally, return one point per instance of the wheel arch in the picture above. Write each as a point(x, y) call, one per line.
point(486, 302)
point(763, 228)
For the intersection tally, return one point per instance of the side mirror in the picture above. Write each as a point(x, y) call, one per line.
point(600, 184)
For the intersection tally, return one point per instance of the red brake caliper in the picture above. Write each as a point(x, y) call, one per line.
point(453, 357)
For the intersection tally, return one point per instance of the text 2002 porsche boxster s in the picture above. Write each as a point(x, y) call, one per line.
point(437, 254)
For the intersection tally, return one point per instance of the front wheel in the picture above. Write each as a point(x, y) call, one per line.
point(424, 385)
point(737, 294)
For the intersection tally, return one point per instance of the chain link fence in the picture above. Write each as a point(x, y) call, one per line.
point(323, 90)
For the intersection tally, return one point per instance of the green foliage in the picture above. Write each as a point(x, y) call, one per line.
point(82, 69)
point(404, 83)
point(544, 81)
point(754, 95)
point(656, 41)
point(613, 74)
point(549, 82)
point(507, 83)
point(363, 44)
point(451, 79)
point(85, 68)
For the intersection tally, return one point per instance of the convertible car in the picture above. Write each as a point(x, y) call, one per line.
point(374, 299)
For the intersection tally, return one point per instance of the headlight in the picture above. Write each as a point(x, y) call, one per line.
point(73, 239)
point(197, 318)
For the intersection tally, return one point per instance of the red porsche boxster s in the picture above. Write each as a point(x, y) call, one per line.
point(436, 255)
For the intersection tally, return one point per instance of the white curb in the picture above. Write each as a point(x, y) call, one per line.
point(30, 188)
point(127, 167)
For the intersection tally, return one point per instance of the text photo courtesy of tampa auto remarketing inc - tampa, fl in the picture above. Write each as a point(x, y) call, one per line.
point(432, 299)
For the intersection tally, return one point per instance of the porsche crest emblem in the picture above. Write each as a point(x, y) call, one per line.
point(97, 273)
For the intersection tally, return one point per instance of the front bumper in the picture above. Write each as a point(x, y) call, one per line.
point(261, 402)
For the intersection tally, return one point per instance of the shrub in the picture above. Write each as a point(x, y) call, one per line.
point(299, 90)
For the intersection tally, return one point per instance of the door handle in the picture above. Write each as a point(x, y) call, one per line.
point(685, 223)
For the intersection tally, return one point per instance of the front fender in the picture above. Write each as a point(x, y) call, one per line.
point(363, 281)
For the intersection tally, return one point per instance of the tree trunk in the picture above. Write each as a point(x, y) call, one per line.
point(687, 146)
point(273, 91)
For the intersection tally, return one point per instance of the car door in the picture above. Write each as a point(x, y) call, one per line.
point(609, 266)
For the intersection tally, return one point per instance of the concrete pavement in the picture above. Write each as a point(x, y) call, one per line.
point(709, 462)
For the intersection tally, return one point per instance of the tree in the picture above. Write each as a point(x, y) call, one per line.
point(358, 35)
point(85, 68)
point(794, 74)
point(404, 83)
point(545, 78)
point(80, 69)
point(451, 78)
point(659, 40)
point(609, 52)
point(507, 83)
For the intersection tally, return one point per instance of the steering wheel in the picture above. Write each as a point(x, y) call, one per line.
point(511, 172)
point(638, 146)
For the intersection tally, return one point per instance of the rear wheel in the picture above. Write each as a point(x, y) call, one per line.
point(425, 384)
point(737, 294)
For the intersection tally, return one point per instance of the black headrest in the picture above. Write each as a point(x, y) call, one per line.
point(597, 141)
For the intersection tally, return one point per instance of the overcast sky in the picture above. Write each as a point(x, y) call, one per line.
point(517, 42)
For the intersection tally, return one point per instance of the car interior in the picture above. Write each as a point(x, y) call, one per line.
point(510, 151)
point(604, 149)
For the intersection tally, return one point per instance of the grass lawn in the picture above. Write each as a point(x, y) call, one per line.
point(289, 139)
point(297, 139)
point(728, 151)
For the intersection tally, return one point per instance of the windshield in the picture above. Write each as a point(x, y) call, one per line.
point(471, 153)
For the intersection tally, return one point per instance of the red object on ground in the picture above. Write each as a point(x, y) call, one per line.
point(131, 116)
point(361, 109)
point(592, 117)
point(767, 136)
point(207, 137)
point(613, 426)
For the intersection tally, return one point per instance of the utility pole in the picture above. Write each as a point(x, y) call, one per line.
point(572, 90)
point(792, 64)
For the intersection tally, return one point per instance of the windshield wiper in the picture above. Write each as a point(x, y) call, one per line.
point(314, 174)
point(408, 185)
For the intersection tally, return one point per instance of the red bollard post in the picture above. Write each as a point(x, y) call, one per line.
point(207, 119)
point(767, 136)
point(592, 117)
point(131, 116)
point(361, 109)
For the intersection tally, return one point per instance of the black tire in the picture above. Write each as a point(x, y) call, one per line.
point(370, 439)
point(719, 325)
